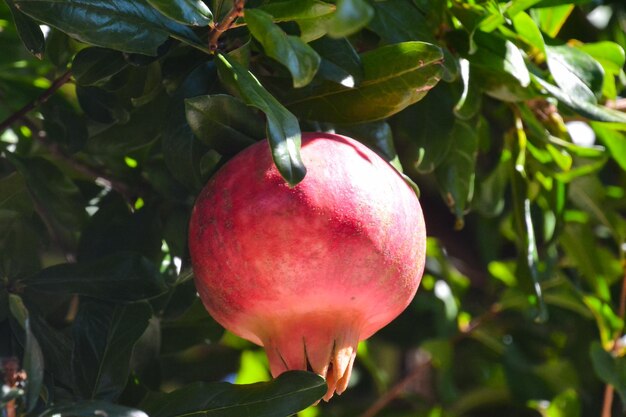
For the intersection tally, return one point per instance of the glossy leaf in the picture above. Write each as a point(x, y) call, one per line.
point(283, 130)
point(584, 108)
point(121, 277)
point(350, 16)
point(92, 409)
point(287, 394)
point(104, 336)
point(29, 31)
point(194, 327)
point(575, 72)
point(389, 71)
point(497, 54)
point(614, 140)
point(129, 26)
point(297, 10)
point(187, 12)
point(340, 62)
point(301, 60)
point(223, 123)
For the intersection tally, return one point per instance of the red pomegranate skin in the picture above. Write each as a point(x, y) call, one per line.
point(308, 271)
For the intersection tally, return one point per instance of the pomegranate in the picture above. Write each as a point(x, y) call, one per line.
point(308, 271)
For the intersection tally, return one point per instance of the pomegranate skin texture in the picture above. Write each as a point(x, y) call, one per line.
point(308, 271)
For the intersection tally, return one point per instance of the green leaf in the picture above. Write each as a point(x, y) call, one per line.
point(575, 72)
point(609, 54)
point(582, 107)
point(528, 31)
point(187, 12)
point(340, 61)
point(552, 19)
point(63, 125)
point(56, 197)
point(181, 150)
point(609, 324)
point(121, 277)
point(456, 173)
point(614, 140)
point(101, 105)
point(194, 327)
point(610, 369)
point(30, 33)
point(301, 60)
point(283, 11)
point(287, 394)
point(497, 54)
point(92, 409)
point(104, 336)
point(425, 128)
point(283, 130)
point(96, 66)
point(223, 123)
point(125, 25)
point(517, 6)
point(33, 362)
point(350, 17)
point(14, 194)
point(395, 76)
point(399, 21)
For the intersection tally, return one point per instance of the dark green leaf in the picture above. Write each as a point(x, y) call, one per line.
point(575, 72)
point(56, 197)
point(33, 362)
point(104, 336)
point(223, 123)
point(289, 393)
point(14, 194)
point(29, 31)
point(192, 328)
point(425, 128)
point(96, 66)
point(456, 173)
point(400, 21)
point(610, 369)
point(301, 60)
point(63, 125)
point(181, 150)
point(102, 106)
point(340, 61)
point(283, 130)
point(187, 12)
point(92, 409)
point(121, 277)
point(395, 77)
point(350, 16)
point(125, 25)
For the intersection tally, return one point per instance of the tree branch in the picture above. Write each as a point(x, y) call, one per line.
point(225, 24)
point(19, 115)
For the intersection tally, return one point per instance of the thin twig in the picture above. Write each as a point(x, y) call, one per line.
point(407, 381)
point(225, 24)
point(42, 98)
point(395, 391)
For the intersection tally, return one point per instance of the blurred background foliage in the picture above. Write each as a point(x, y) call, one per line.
point(508, 115)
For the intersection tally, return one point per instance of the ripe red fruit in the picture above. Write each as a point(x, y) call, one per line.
point(308, 271)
